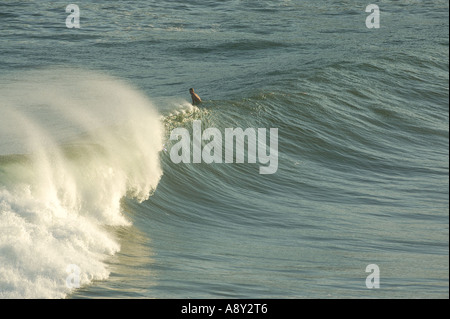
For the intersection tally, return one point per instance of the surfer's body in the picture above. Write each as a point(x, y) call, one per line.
point(195, 98)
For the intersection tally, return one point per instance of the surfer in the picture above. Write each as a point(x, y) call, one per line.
point(195, 98)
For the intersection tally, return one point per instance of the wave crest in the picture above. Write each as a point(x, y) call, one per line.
point(72, 145)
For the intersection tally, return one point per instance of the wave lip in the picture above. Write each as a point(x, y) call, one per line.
point(72, 145)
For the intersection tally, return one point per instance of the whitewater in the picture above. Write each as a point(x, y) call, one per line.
point(60, 192)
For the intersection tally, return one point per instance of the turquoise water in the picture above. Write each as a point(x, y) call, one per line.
point(86, 177)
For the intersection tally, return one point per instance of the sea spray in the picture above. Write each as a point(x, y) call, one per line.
point(72, 145)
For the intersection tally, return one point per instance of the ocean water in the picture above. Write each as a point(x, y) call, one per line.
point(93, 206)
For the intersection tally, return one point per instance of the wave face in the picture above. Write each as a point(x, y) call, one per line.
point(73, 145)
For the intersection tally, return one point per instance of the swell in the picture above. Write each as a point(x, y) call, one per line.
point(360, 141)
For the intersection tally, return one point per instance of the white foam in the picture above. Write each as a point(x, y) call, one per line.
point(56, 200)
point(181, 107)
